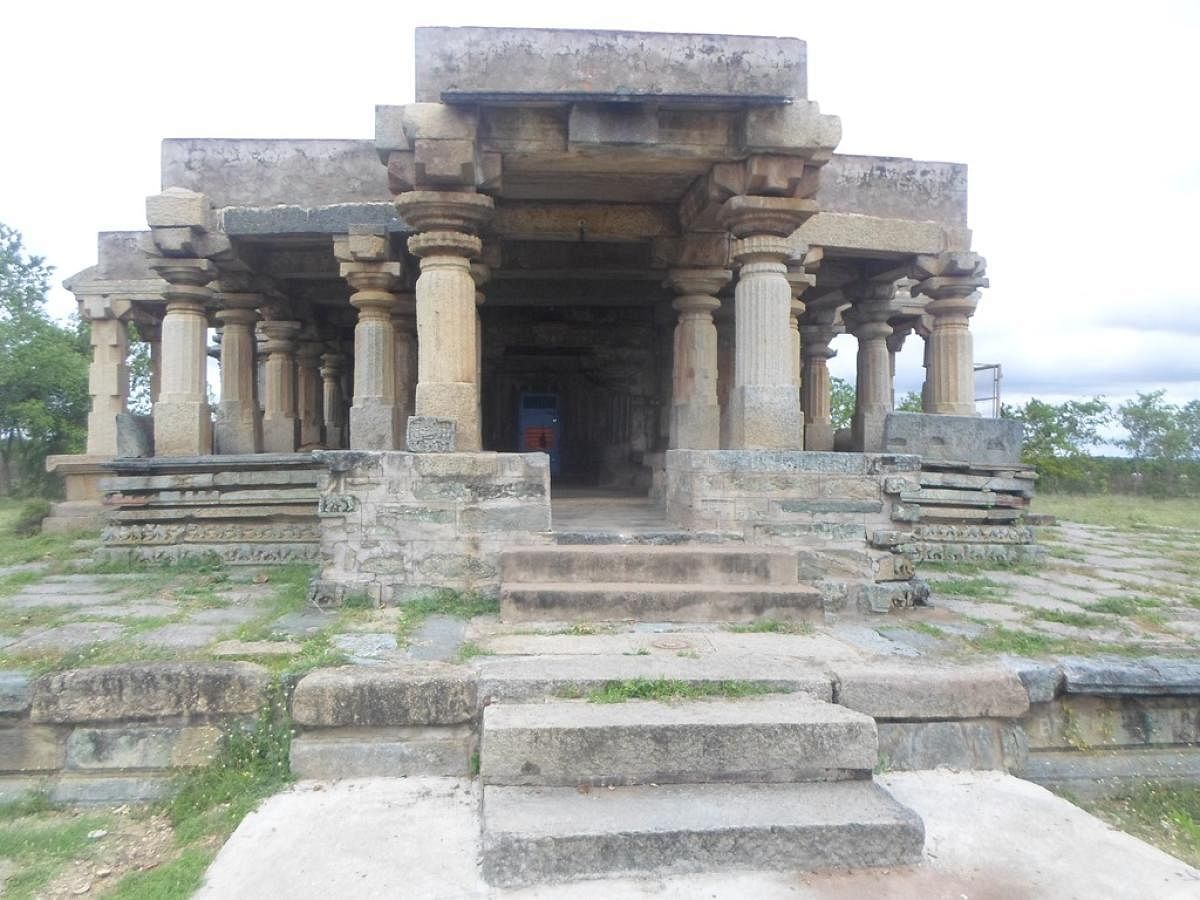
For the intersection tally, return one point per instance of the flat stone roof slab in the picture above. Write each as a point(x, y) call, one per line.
point(498, 64)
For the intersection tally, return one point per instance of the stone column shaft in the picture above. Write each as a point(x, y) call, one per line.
point(281, 425)
point(951, 374)
point(108, 383)
point(695, 411)
point(374, 422)
point(404, 319)
point(310, 394)
point(332, 401)
point(873, 387)
point(816, 387)
point(182, 426)
point(238, 428)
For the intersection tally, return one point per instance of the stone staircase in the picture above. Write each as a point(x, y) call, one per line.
point(685, 582)
point(573, 789)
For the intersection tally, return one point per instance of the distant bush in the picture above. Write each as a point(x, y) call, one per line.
point(29, 517)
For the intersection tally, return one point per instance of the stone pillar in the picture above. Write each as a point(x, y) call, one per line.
point(151, 333)
point(764, 405)
point(895, 343)
point(310, 397)
point(366, 266)
point(238, 427)
point(951, 281)
point(867, 320)
point(816, 387)
point(447, 377)
point(108, 383)
point(281, 425)
point(332, 401)
point(695, 411)
point(182, 426)
point(726, 362)
point(404, 320)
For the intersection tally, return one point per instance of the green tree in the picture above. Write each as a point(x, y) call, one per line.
point(1058, 436)
point(841, 402)
point(1160, 430)
point(43, 373)
point(911, 403)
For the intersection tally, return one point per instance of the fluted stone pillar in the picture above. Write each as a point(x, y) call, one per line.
point(238, 428)
point(108, 383)
point(310, 393)
point(764, 405)
point(404, 320)
point(281, 425)
point(695, 411)
point(374, 422)
point(447, 377)
point(951, 281)
point(332, 400)
point(867, 320)
point(816, 386)
point(895, 343)
point(153, 336)
point(182, 426)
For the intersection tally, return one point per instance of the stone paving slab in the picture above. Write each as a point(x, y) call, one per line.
point(180, 636)
point(63, 638)
point(55, 601)
point(360, 838)
point(225, 615)
point(130, 611)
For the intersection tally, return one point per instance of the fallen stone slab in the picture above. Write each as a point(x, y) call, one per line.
point(335, 753)
point(780, 738)
point(1155, 675)
point(521, 679)
point(149, 690)
point(890, 690)
point(425, 693)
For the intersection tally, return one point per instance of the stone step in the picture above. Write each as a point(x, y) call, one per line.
point(542, 834)
point(518, 679)
point(658, 602)
point(649, 563)
point(772, 738)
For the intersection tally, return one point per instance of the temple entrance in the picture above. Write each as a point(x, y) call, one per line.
point(580, 382)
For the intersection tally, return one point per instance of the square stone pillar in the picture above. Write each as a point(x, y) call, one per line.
point(447, 320)
point(310, 394)
point(816, 387)
point(281, 424)
point(238, 428)
point(182, 424)
point(333, 401)
point(695, 411)
point(108, 383)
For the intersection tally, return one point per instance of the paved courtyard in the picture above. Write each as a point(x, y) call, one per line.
point(1100, 591)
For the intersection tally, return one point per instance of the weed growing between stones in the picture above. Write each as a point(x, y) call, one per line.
point(673, 689)
point(442, 602)
point(926, 629)
point(771, 626)
point(975, 588)
point(998, 639)
point(1063, 617)
point(39, 847)
point(470, 650)
point(1123, 606)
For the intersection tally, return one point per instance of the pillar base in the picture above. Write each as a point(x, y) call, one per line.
point(818, 436)
point(237, 427)
point(280, 435)
point(182, 428)
point(868, 432)
point(765, 417)
point(457, 400)
point(695, 427)
point(374, 427)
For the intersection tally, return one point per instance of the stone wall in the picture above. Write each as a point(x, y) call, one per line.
point(115, 734)
point(247, 510)
point(396, 524)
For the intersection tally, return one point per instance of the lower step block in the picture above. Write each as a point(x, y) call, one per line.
point(547, 834)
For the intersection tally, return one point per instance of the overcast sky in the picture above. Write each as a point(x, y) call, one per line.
point(1079, 123)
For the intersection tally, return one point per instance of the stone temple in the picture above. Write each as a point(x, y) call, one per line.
point(558, 332)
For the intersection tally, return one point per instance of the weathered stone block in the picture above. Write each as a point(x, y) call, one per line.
point(975, 744)
point(427, 434)
point(30, 748)
point(177, 208)
point(416, 694)
point(1131, 676)
point(382, 752)
point(135, 435)
point(15, 692)
point(893, 691)
point(107, 790)
point(149, 690)
point(994, 442)
point(1082, 722)
point(141, 747)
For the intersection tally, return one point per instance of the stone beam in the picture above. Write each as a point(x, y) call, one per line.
point(894, 188)
point(527, 63)
point(584, 221)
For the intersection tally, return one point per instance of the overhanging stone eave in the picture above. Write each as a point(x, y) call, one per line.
point(337, 218)
point(851, 234)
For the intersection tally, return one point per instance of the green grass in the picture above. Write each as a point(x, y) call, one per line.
point(1064, 617)
point(1123, 606)
point(442, 602)
point(925, 628)
point(178, 878)
point(673, 689)
point(1167, 816)
point(772, 626)
point(1063, 551)
point(1128, 512)
point(469, 650)
point(998, 639)
point(974, 587)
point(42, 846)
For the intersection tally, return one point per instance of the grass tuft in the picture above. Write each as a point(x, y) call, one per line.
point(1064, 617)
point(674, 689)
point(772, 626)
